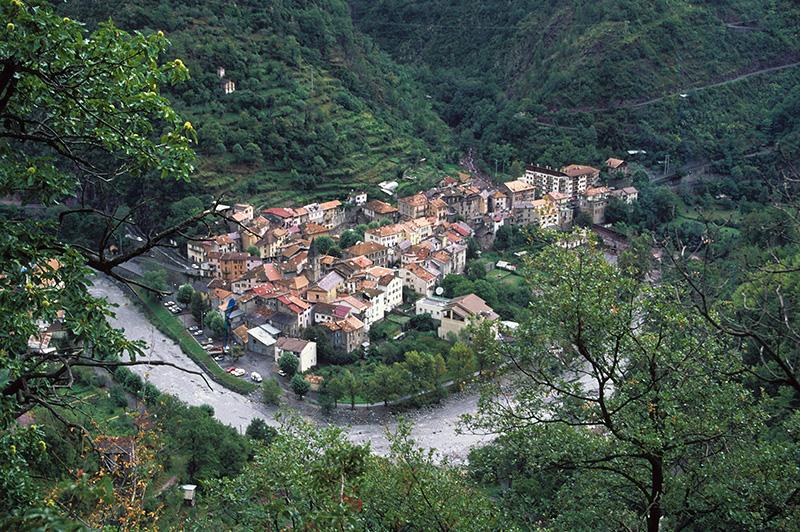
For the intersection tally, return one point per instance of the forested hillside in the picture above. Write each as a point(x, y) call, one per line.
point(316, 107)
point(556, 79)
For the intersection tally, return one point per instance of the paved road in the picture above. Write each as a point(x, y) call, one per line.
point(432, 428)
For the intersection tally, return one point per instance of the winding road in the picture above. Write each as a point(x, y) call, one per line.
point(687, 90)
point(433, 428)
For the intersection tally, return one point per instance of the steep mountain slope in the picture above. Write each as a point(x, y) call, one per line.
point(317, 107)
point(534, 63)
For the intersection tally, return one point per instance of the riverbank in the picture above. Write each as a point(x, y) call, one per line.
point(434, 427)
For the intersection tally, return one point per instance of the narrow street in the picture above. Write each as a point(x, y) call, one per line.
point(434, 427)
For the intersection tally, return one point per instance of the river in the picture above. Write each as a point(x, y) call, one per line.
point(432, 428)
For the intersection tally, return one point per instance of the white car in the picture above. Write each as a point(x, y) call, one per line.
point(198, 333)
point(256, 377)
point(238, 372)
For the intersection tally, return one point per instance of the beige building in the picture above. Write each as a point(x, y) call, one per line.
point(378, 254)
point(519, 190)
point(419, 279)
point(463, 310)
point(380, 210)
point(594, 203)
point(413, 206)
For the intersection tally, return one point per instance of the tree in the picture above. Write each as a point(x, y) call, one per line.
point(260, 431)
point(185, 293)
point(324, 244)
point(623, 389)
point(271, 391)
point(199, 305)
point(637, 259)
point(386, 383)
point(484, 344)
point(335, 388)
point(583, 219)
point(289, 363)
point(156, 280)
point(299, 385)
point(216, 323)
point(330, 483)
point(426, 370)
point(422, 322)
point(253, 251)
point(350, 385)
point(473, 248)
point(349, 238)
point(476, 270)
point(77, 120)
point(461, 362)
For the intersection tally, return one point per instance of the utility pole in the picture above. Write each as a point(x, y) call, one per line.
point(495, 170)
point(666, 164)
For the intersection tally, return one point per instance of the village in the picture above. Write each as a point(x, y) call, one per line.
point(285, 277)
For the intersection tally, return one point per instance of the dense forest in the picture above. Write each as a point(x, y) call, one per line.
point(556, 81)
point(317, 106)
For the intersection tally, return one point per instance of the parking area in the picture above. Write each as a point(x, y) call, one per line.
point(248, 362)
point(264, 365)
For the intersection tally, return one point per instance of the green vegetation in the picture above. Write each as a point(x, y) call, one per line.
point(332, 484)
point(318, 109)
point(271, 391)
point(299, 385)
point(554, 82)
point(621, 403)
point(289, 363)
point(173, 327)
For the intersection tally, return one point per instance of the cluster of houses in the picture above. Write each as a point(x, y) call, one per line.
point(270, 265)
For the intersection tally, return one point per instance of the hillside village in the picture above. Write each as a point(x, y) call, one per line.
point(279, 271)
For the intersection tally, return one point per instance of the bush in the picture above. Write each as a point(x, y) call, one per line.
point(259, 430)
point(271, 392)
point(422, 322)
point(118, 395)
point(185, 293)
point(299, 385)
point(288, 364)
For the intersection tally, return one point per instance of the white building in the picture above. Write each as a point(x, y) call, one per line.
point(433, 305)
point(304, 350)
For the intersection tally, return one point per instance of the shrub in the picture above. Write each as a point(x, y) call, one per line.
point(117, 394)
point(288, 364)
point(299, 385)
point(271, 392)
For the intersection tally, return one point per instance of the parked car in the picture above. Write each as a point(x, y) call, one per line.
point(281, 373)
point(238, 372)
point(175, 310)
point(198, 333)
point(192, 328)
point(168, 303)
point(256, 376)
point(231, 369)
point(219, 358)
